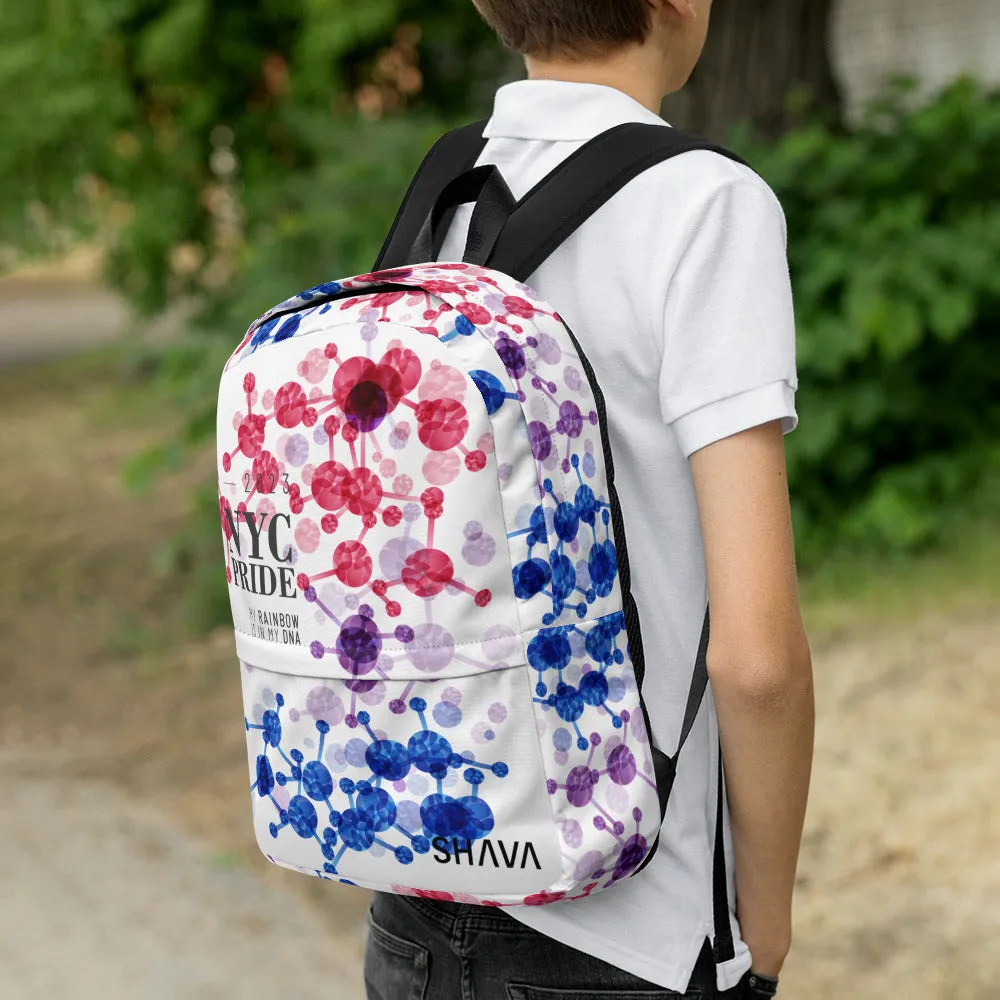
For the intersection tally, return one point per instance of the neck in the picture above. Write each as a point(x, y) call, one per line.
point(635, 70)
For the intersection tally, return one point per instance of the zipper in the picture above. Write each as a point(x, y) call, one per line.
point(344, 293)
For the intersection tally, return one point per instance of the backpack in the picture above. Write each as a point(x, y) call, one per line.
point(441, 654)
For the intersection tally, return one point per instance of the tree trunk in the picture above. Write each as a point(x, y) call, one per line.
point(767, 62)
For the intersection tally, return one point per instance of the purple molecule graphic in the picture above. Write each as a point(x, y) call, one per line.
point(297, 450)
point(499, 643)
point(512, 357)
point(479, 548)
point(548, 349)
point(621, 765)
point(570, 419)
point(540, 440)
point(394, 554)
point(322, 703)
point(447, 715)
point(572, 378)
point(432, 647)
point(359, 644)
point(579, 786)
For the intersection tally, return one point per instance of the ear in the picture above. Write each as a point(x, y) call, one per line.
point(680, 8)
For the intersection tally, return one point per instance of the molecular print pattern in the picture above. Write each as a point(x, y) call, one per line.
point(371, 809)
point(424, 476)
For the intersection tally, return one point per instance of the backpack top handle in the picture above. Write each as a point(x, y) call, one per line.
point(494, 205)
point(453, 153)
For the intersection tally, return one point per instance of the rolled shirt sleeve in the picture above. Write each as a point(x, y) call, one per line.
point(729, 347)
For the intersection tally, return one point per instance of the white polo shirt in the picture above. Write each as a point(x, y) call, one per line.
point(678, 291)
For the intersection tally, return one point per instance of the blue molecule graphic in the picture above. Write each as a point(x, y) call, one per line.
point(531, 577)
point(549, 649)
point(366, 810)
point(376, 805)
point(356, 831)
point(594, 688)
point(571, 589)
point(468, 817)
point(264, 784)
point(272, 728)
point(430, 752)
point(388, 759)
point(568, 702)
point(602, 564)
point(566, 521)
point(289, 328)
point(493, 392)
point(302, 816)
point(263, 333)
point(327, 288)
point(552, 650)
point(317, 782)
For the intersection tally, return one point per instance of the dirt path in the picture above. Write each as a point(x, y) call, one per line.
point(899, 881)
point(103, 898)
point(39, 321)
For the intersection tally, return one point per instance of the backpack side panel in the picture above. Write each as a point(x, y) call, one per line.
point(599, 768)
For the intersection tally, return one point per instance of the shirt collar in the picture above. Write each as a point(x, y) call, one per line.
point(558, 110)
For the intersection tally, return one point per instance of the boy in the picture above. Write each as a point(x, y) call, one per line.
point(678, 290)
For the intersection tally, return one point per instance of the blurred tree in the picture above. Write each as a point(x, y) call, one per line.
point(225, 154)
point(193, 126)
point(767, 62)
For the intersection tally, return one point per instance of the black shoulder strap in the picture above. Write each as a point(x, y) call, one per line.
point(723, 944)
point(699, 684)
point(559, 204)
point(452, 154)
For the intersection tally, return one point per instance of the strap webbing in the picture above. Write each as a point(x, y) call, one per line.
point(453, 153)
point(724, 948)
point(560, 203)
point(699, 683)
point(486, 187)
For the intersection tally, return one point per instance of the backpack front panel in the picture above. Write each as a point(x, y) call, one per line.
point(390, 729)
point(562, 606)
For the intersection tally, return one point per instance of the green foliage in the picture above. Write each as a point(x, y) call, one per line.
point(227, 155)
point(128, 103)
point(894, 239)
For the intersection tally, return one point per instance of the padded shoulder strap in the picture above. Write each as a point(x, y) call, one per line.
point(559, 204)
point(454, 153)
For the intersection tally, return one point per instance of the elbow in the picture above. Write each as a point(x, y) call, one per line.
point(765, 674)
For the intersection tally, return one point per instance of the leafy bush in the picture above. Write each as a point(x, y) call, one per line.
point(894, 246)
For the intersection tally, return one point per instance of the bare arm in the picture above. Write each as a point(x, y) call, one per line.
point(761, 674)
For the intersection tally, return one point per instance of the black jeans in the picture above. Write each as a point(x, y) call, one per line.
point(423, 950)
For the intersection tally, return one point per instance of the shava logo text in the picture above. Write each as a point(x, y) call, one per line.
point(485, 854)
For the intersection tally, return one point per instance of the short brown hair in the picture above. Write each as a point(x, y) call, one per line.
point(566, 27)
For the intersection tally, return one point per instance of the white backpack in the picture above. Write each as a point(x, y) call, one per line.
point(426, 555)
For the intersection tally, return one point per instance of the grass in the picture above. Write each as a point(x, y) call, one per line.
point(860, 592)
